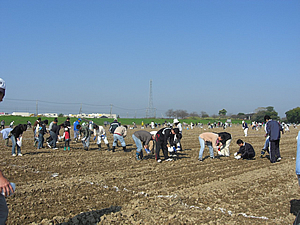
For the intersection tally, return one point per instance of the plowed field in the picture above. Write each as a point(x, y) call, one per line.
point(101, 187)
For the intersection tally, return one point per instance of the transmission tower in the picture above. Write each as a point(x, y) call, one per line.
point(150, 109)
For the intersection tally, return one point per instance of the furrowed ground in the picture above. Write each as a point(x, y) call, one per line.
point(101, 187)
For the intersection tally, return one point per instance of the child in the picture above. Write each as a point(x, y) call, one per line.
point(67, 138)
point(246, 150)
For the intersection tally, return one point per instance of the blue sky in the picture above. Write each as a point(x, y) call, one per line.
point(200, 55)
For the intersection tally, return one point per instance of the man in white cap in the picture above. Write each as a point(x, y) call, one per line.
point(2, 89)
point(245, 128)
point(177, 124)
point(4, 183)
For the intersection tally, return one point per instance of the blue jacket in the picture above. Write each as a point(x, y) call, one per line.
point(298, 155)
point(273, 129)
point(75, 124)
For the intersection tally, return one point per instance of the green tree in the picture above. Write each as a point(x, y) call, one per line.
point(259, 116)
point(223, 112)
point(204, 114)
point(194, 115)
point(241, 116)
point(293, 115)
point(170, 113)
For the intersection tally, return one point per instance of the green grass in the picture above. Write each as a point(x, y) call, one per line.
point(127, 121)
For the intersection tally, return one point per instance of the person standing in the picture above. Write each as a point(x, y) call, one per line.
point(41, 132)
point(225, 143)
point(298, 159)
point(4, 183)
point(66, 137)
point(54, 132)
point(100, 133)
point(178, 125)
point(273, 129)
point(210, 139)
point(142, 138)
point(6, 188)
point(16, 136)
point(76, 131)
point(245, 128)
point(246, 150)
point(2, 124)
point(119, 134)
point(266, 145)
point(35, 130)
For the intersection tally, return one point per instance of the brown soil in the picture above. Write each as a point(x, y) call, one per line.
point(101, 187)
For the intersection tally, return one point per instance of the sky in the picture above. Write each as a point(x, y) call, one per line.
point(99, 56)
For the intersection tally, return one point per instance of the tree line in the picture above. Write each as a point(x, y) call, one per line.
point(292, 116)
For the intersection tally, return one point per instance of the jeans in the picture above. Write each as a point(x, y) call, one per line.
point(120, 138)
point(266, 146)
point(3, 210)
point(86, 143)
point(138, 143)
point(202, 146)
point(14, 144)
point(41, 141)
point(54, 139)
point(76, 134)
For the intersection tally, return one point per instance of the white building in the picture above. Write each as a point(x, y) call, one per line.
point(94, 115)
point(50, 114)
point(21, 114)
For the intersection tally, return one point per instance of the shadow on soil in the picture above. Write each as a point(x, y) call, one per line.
point(91, 217)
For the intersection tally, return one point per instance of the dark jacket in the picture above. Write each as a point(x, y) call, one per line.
point(113, 126)
point(246, 150)
point(42, 129)
point(55, 128)
point(18, 130)
point(273, 129)
point(225, 137)
point(165, 135)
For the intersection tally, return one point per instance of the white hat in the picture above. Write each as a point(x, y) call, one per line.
point(2, 86)
point(175, 121)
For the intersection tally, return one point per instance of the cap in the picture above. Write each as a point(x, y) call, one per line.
point(2, 86)
point(79, 119)
point(175, 121)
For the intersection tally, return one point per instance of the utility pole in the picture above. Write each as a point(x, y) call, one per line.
point(150, 110)
point(36, 107)
point(80, 108)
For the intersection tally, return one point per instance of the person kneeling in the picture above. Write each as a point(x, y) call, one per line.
point(246, 150)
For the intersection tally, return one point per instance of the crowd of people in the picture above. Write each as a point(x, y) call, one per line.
point(167, 139)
